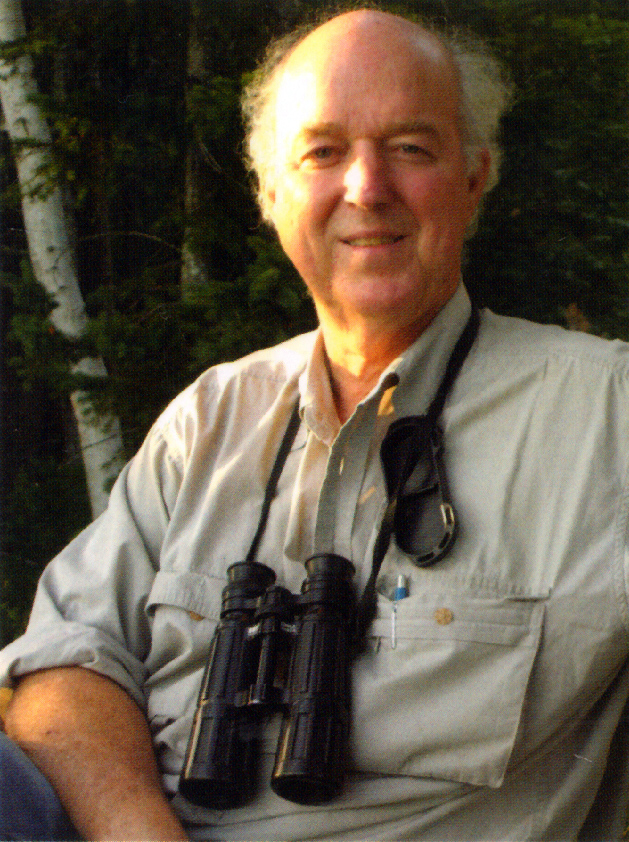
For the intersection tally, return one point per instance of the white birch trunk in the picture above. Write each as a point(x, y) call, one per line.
point(51, 253)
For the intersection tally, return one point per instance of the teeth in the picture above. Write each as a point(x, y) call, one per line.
point(374, 241)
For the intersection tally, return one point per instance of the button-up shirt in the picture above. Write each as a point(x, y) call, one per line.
point(489, 710)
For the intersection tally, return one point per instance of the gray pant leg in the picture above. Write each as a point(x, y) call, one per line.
point(29, 807)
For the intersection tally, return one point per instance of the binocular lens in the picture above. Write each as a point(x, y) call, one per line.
point(219, 768)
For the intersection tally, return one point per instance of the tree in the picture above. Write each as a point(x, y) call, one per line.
point(51, 252)
point(554, 236)
point(131, 105)
point(194, 270)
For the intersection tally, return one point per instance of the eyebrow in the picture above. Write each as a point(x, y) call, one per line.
point(318, 129)
point(395, 129)
point(412, 127)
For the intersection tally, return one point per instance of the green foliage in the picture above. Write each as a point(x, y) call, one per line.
point(34, 350)
point(264, 306)
point(47, 506)
point(555, 232)
point(130, 126)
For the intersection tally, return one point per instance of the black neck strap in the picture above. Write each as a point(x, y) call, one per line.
point(455, 363)
point(368, 602)
point(271, 488)
point(367, 605)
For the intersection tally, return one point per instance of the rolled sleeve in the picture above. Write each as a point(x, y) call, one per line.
point(73, 644)
point(90, 604)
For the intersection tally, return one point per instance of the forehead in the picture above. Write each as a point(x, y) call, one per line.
point(364, 75)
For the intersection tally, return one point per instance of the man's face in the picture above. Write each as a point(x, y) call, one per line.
point(371, 193)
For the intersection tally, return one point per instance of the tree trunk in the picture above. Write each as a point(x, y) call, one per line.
point(52, 253)
point(194, 272)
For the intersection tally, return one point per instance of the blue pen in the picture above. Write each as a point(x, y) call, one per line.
point(401, 592)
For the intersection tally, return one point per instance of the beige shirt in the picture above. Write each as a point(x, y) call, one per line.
point(492, 715)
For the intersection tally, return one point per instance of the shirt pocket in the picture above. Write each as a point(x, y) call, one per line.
point(183, 609)
point(446, 701)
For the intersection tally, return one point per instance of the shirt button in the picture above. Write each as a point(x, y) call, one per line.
point(443, 616)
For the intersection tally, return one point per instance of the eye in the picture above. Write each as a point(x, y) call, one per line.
point(322, 155)
point(413, 150)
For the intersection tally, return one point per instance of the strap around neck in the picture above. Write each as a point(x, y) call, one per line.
point(271, 488)
point(367, 605)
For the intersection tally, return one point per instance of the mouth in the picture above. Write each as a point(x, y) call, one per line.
point(374, 240)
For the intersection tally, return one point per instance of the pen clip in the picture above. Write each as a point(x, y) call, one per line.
point(401, 592)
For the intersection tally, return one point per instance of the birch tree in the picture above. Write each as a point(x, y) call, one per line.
point(51, 252)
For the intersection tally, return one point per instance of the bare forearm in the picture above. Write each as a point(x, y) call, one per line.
point(93, 744)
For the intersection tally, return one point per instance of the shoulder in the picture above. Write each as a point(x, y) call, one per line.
point(276, 364)
point(510, 342)
point(241, 389)
point(560, 384)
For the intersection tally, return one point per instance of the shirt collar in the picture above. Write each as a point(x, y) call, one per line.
point(416, 374)
point(316, 400)
point(421, 368)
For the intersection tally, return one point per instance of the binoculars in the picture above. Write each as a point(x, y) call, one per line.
point(274, 650)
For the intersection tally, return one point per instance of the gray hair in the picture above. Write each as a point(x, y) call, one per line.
point(485, 95)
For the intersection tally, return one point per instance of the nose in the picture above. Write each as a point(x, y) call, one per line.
point(367, 180)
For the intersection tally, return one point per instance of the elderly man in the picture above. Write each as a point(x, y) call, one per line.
point(485, 701)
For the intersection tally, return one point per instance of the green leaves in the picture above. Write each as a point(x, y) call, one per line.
point(552, 244)
point(550, 235)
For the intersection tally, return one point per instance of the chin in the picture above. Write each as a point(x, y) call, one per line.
point(382, 296)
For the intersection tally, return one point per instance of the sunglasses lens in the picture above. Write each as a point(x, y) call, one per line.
point(405, 450)
point(424, 521)
point(424, 527)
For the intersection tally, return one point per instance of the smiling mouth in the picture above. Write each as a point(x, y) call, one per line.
point(384, 240)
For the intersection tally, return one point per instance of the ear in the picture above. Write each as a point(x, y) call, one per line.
point(268, 196)
point(477, 178)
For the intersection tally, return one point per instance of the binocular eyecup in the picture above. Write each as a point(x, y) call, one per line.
point(273, 650)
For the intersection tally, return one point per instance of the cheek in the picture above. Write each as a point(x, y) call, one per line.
point(292, 204)
point(301, 215)
point(438, 207)
point(299, 220)
point(438, 198)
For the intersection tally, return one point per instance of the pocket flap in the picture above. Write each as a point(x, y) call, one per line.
point(446, 701)
point(194, 592)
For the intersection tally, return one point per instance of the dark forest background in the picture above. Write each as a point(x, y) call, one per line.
point(142, 99)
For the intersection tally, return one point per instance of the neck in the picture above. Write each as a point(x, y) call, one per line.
point(348, 389)
point(356, 359)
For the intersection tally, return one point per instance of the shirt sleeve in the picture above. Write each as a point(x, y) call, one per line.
point(89, 607)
